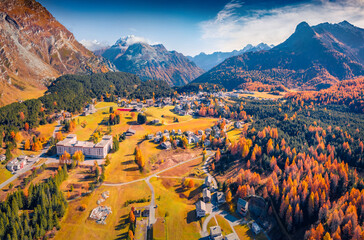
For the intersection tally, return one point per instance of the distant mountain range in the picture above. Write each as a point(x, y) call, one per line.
point(311, 58)
point(208, 61)
point(129, 54)
point(36, 47)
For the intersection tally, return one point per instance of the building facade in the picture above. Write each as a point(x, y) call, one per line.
point(90, 150)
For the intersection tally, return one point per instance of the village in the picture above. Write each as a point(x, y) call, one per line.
point(168, 134)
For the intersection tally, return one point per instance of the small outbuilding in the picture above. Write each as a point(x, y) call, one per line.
point(166, 145)
point(215, 232)
point(242, 207)
point(256, 228)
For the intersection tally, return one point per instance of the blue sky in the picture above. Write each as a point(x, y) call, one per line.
point(194, 26)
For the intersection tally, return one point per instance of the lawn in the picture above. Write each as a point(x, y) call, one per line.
point(234, 134)
point(92, 122)
point(211, 223)
point(263, 95)
point(225, 226)
point(77, 225)
point(244, 232)
point(106, 105)
point(47, 129)
point(177, 208)
point(4, 173)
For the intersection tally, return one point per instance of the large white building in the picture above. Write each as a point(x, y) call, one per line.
point(99, 150)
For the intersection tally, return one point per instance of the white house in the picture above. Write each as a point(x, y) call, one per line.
point(231, 236)
point(99, 150)
point(215, 232)
point(203, 208)
point(255, 228)
point(17, 163)
point(242, 207)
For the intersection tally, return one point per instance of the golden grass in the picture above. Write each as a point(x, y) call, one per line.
point(211, 223)
point(47, 129)
point(168, 116)
point(234, 134)
point(76, 225)
point(223, 223)
point(244, 232)
point(181, 221)
point(159, 227)
point(263, 95)
point(106, 105)
point(4, 173)
point(122, 167)
point(92, 122)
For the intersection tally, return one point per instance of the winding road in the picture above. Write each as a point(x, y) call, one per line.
point(152, 218)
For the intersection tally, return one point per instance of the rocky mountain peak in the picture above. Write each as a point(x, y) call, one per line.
point(36, 47)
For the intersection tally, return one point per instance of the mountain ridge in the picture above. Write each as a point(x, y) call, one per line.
point(305, 60)
point(35, 47)
point(208, 61)
point(151, 61)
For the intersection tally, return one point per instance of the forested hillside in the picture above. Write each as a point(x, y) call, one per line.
point(71, 93)
point(303, 157)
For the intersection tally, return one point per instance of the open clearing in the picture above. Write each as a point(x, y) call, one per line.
point(77, 225)
point(168, 116)
point(263, 95)
point(244, 232)
point(176, 206)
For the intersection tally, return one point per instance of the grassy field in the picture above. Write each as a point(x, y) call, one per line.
point(106, 105)
point(177, 208)
point(4, 173)
point(211, 223)
point(47, 129)
point(92, 122)
point(262, 95)
point(244, 232)
point(225, 226)
point(168, 116)
point(234, 134)
point(77, 225)
point(123, 168)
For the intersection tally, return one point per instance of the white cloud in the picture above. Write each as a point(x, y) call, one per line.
point(93, 45)
point(131, 39)
point(234, 26)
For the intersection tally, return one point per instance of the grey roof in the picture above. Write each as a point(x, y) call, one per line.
point(215, 231)
point(242, 203)
point(231, 236)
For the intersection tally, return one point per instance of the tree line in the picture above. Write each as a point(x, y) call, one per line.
point(32, 212)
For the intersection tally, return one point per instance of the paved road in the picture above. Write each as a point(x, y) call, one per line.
point(152, 218)
point(205, 168)
point(27, 167)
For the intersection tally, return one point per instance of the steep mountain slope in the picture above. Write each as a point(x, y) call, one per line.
point(34, 47)
point(311, 58)
point(208, 61)
point(152, 61)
